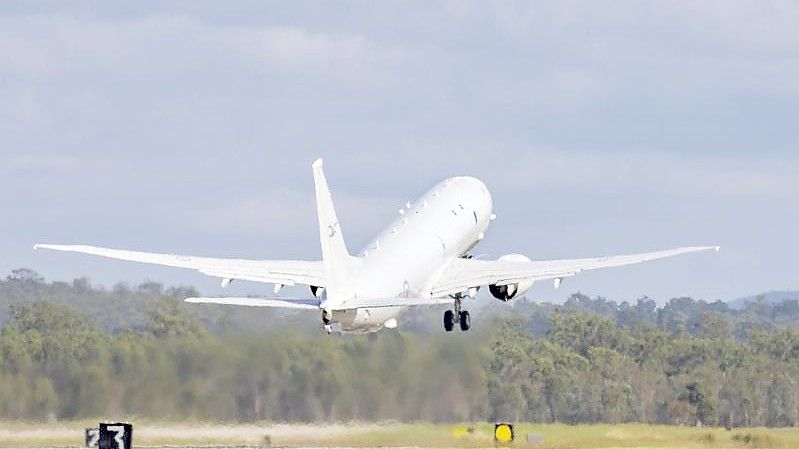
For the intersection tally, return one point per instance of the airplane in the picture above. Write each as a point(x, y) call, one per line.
point(422, 258)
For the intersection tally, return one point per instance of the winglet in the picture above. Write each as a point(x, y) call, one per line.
point(335, 256)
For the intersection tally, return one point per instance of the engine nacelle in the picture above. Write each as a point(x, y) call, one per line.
point(508, 292)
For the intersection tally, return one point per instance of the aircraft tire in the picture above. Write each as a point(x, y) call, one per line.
point(465, 320)
point(449, 320)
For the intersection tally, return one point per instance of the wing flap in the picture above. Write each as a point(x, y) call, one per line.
point(245, 276)
point(302, 304)
point(374, 303)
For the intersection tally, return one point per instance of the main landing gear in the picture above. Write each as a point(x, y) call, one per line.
point(326, 321)
point(461, 316)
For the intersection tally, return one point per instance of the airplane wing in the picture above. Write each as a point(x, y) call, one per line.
point(285, 272)
point(303, 304)
point(465, 273)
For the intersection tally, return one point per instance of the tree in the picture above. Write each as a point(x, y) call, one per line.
point(170, 318)
point(25, 275)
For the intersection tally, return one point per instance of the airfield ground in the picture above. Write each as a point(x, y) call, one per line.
point(70, 434)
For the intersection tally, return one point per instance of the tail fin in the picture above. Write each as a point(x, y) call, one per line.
point(335, 256)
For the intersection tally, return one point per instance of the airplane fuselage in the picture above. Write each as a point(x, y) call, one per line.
point(409, 256)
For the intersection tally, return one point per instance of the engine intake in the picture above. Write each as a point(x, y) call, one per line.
point(504, 292)
point(510, 291)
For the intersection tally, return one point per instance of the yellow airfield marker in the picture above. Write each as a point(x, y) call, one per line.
point(503, 432)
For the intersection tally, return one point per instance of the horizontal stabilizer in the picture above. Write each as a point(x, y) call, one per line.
point(305, 304)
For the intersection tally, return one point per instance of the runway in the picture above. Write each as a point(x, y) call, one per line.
point(188, 435)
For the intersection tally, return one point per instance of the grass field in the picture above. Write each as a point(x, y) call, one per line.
point(62, 434)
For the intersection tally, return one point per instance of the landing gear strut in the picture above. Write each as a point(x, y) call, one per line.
point(462, 316)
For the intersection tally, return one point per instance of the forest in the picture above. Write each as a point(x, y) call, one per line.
point(72, 350)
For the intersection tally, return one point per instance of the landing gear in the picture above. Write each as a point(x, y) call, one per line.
point(326, 321)
point(466, 320)
point(449, 320)
point(462, 316)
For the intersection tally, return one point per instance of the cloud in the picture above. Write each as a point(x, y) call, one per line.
point(738, 176)
point(284, 213)
point(17, 164)
point(49, 46)
point(692, 52)
point(534, 169)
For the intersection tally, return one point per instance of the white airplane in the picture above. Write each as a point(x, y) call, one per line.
point(422, 258)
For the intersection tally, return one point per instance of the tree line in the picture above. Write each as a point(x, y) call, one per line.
point(586, 361)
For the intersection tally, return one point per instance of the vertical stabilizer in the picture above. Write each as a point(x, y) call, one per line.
point(334, 252)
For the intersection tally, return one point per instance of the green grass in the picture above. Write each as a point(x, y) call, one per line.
point(555, 436)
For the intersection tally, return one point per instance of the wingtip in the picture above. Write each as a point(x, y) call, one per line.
point(318, 163)
point(39, 246)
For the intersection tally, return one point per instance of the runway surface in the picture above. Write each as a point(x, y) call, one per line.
point(195, 435)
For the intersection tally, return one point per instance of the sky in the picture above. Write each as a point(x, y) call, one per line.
point(599, 127)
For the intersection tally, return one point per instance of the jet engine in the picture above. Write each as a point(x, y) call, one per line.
point(510, 291)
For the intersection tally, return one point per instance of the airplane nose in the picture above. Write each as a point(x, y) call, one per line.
point(482, 196)
point(473, 182)
point(483, 191)
point(485, 201)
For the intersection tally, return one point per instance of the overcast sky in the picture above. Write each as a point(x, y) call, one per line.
point(599, 127)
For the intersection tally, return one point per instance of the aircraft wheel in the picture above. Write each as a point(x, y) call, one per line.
point(466, 320)
point(449, 320)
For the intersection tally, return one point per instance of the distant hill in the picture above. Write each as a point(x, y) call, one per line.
point(772, 297)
